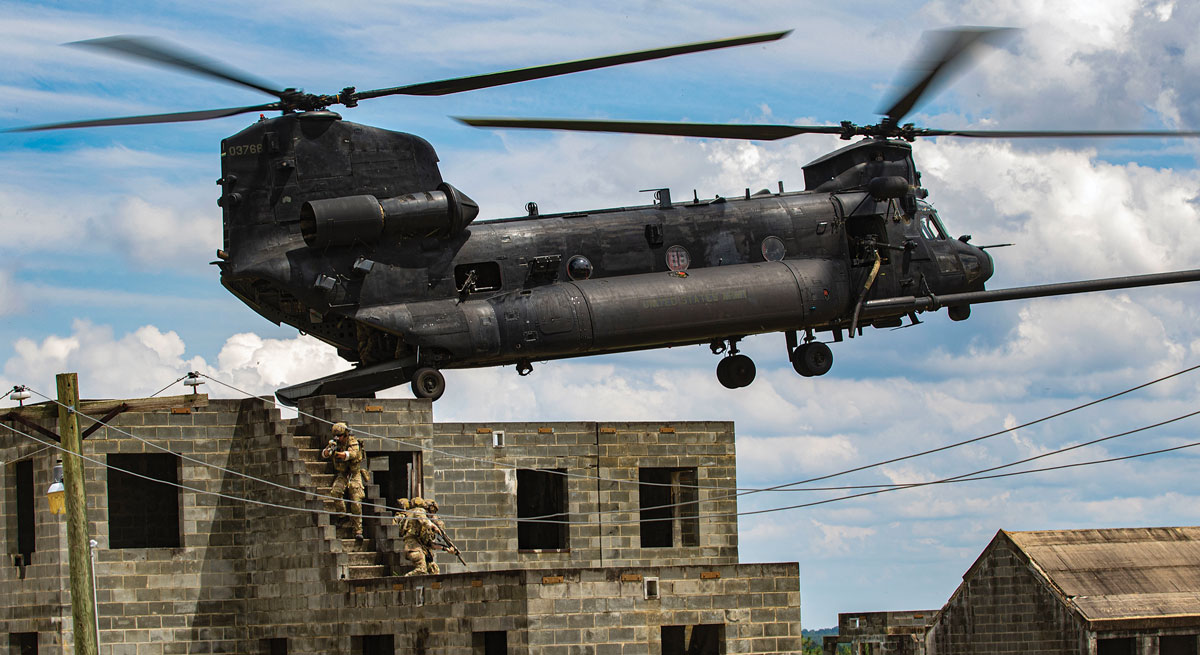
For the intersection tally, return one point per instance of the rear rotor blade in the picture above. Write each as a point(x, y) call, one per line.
point(179, 117)
point(945, 56)
point(470, 83)
point(703, 130)
point(161, 52)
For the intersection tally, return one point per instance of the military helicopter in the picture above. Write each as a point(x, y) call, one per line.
point(348, 233)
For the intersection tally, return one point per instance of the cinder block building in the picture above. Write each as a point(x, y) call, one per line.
point(1129, 591)
point(579, 538)
point(876, 633)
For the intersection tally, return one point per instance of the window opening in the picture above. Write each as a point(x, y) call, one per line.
point(703, 639)
point(492, 642)
point(26, 532)
point(277, 646)
point(650, 588)
point(403, 477)
point(378, 645)
point(1177, 645)
point(669, 511)
point(865, 229)
point(1117, 646)
point(542, 494)
point(480, 276)
point(143, 513)
point(23, 643)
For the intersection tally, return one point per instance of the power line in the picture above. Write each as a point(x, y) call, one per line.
point(210, 464)
point(785, 486)
point(986, 436)
point(164, 388)
point(958, 479)
point(967, 477)
point(737, 491)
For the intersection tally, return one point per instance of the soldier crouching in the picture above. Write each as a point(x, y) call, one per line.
point(414, 524)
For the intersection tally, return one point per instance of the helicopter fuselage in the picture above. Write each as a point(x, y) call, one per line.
point(371, 252)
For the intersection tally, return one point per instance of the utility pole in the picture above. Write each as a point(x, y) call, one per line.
point(83, 586)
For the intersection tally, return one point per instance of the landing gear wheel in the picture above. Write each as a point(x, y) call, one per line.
point(428, 383)
point(723, 375)
point(813, 358)
point(736, 371)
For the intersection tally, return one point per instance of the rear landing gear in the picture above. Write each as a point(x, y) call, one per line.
point(428, 382)
point(811, 358)
point(734, 371)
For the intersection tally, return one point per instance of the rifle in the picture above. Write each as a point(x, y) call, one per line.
point(448, 546)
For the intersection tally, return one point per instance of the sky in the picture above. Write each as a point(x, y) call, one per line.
point(107, 236)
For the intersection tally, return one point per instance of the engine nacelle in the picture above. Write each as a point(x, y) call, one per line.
point(363, 219)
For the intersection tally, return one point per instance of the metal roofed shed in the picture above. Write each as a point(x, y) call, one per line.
point(1092, 592)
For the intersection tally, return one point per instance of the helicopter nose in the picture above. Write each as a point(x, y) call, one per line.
point(977, 265)
point(986, 266)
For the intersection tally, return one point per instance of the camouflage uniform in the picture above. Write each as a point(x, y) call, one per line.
point(438, 526)
point(349, 476)
point(414, 526)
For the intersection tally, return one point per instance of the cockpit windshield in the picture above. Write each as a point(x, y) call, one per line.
point(931, 227)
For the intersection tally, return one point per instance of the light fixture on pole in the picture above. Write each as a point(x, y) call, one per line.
point(20, 394)
point(56, 493)
point(193, 380)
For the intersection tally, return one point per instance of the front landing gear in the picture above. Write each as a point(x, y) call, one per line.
point(811, 358)
point(734, 370)
point(428, 382)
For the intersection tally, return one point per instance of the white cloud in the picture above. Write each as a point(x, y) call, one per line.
point(158, 235)
point(141, 362)
point(790, 457)
point(260, 366)
point(12, 300)
point(839, 539)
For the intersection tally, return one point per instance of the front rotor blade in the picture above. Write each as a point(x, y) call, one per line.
point(1045, 134)
point(161, 52)
point(179, 117)
point(702, 130)
point(945, 56)
point(470, 83)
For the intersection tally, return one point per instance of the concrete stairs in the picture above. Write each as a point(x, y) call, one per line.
point(360, 559)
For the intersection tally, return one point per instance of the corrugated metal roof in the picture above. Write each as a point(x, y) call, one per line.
point(1120, 573)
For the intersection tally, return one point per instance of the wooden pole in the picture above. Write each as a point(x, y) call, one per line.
point(83, 609)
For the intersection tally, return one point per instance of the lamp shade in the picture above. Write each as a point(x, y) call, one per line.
point(58, 500)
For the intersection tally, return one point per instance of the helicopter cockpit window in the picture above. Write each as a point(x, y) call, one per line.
point(931, 228)
point(477, 277)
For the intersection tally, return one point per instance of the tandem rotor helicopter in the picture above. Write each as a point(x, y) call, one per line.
point(348, 233)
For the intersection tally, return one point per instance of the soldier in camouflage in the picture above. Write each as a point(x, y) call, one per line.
point(437, 526)
point(346, 454)
point(414, 524)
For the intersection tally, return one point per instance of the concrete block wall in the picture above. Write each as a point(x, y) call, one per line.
point(896, 633)
point(606, 611)
point(476, 481)
point(472, 479)
point(1001, 607)
point(595, 611)
point(151, 601)
point(33, 595)
point(245, 573)
point(708, 447)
